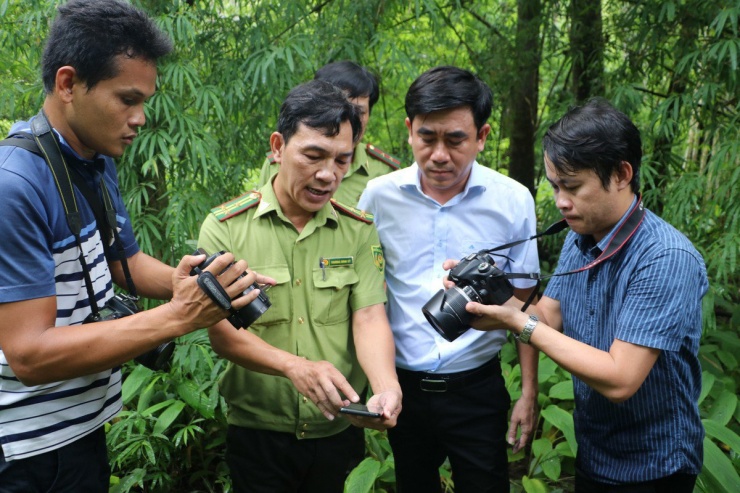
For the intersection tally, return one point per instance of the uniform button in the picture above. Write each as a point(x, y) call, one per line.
point(305, 426)
point(305, 399)
point(298, 282)
point(300, 320)
point(303, 434)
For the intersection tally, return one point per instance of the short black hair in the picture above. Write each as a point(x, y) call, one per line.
point(357, 81)
point(319, 105)
point(594, 136)
point(445, 88)
point(89, 34)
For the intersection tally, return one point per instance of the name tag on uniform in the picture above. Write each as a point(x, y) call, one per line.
point(336, 261)
point(329, 262)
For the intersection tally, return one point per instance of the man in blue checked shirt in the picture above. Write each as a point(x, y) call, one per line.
point(628, 326)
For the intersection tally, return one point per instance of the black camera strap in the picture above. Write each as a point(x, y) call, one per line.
point(45, 144)
point(626, 230)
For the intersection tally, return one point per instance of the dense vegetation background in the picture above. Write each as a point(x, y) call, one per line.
point(672, 65)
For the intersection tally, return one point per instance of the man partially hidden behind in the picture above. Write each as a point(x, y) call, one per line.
point(327, 325)
point(368, 162)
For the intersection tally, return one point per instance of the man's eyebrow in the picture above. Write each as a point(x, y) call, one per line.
point(134, 92)
point(455, 134)
point(314, 148)
point(323, 151)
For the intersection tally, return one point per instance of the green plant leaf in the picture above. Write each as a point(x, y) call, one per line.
point(190, 393)
point(362, 478)
point(168, 416)
point(723, 434)
point(533, 485)
point(717, 465)
point(541, 447)
point(134, 382)
point(551, 467)
point(562, 391)
point(563, 421)
point(707, 382)
point(723, 408)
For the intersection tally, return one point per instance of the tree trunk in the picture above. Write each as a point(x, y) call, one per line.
point(524, 94)
point(586, 49)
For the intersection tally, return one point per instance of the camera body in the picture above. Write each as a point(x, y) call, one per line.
point(243, 317)
point(123, 305)
point(477, 279)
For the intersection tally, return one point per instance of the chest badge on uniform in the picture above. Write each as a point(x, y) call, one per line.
point(378, 258)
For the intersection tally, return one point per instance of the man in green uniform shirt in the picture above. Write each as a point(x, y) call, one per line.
point(368, 162)
point(327, 328)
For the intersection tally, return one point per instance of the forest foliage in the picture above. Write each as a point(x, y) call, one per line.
point(672, 66)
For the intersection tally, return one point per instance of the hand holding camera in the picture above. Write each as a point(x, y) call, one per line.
point(193, 306)
point(476, 279)
point(239, 318)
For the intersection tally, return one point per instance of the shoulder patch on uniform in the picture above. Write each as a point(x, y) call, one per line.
point(236, 206)
point(383, 157)
point(353, 212)
point(270, 157)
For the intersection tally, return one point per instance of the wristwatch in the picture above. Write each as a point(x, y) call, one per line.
point(526, 332)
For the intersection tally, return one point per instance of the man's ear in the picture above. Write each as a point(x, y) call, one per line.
point(624, 175)
point(64, 83)
point(482, 136)
point(408, 125)
point(277, 146)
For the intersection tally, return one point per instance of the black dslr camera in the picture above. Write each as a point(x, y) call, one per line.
point(477, 279)
point(241, 318)
point(123, 305)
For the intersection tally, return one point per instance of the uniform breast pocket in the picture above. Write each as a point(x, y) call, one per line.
point(281, 310)
point(330, 300)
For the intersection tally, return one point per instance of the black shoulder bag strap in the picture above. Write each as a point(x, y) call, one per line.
point(45, 144)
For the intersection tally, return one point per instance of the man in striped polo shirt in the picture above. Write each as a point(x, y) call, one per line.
point(60, 380)
point(627, 326)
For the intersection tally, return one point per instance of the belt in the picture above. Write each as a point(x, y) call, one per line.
point(444, 382)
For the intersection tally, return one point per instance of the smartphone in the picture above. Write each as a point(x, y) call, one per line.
point(359, 410)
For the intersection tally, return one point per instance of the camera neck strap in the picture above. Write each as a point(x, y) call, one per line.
point(623, 234)
point(47, 146)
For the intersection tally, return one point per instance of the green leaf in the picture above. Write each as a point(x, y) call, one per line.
point(723, 408)
point(723, 434)
point(168, 416)
point(541, 447)
point(563, 421)
point(134, 382)
point(533, 485)
point(551, 467)
point(707, 382)
point(156, 407)
point(717, 465)
point(562, 391)
point(362, 478)
point(190, 393)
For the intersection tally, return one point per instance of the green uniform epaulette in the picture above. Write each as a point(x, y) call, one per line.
point(271, 157)
point(383, 157)
point(236, 206)
point(353, 212)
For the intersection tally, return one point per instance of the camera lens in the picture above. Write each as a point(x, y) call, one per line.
point(445, 311)
point(158, 358)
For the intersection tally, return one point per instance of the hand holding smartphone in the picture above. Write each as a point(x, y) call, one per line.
point(358, 409)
